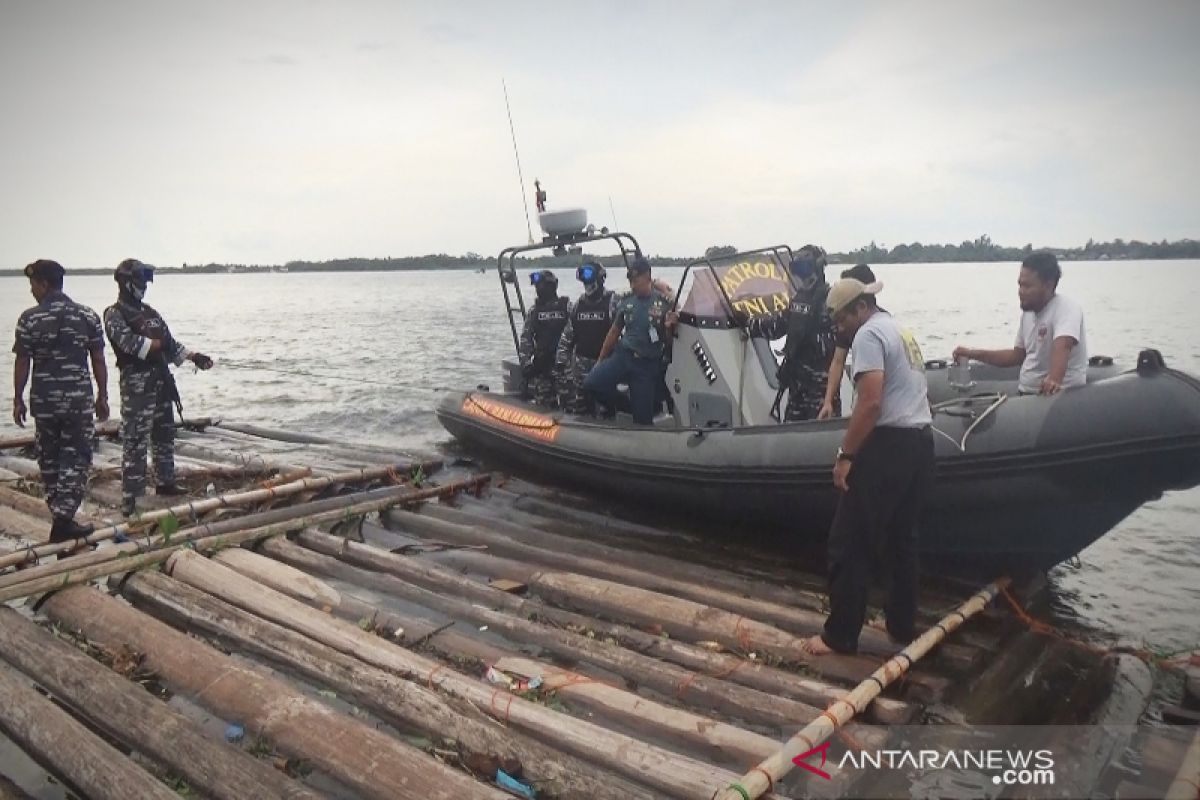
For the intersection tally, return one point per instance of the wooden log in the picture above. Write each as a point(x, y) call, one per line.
point(107, 428)
point(119, 559)
point(406, 704)
point(25, 467)
point(716, 740)
point(193, 509)
point(476, 515)
point(66, 748)
point(22, 526)
point(127, 713)
point(524, 568)
point(347, 749)
point(801, 599)
point(699, 622)
point(25, 503)
point(690, 687)
point(637, 760)
point(719, 666)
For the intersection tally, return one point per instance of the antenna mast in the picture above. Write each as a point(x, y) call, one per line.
point(517, 154)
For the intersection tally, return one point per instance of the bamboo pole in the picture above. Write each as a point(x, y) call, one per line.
point(654, 766)
point(762, 778)
point(123, 560)
point(405, 703)
point(440, 586)
point(717, 740)
point(70, 750)
point(349, 750)
point(129, 714)
point(203, 529)
point(194, 508)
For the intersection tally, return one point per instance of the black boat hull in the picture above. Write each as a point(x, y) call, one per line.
point(1028, 484)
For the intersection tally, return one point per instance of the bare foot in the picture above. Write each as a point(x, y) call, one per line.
point(816, 646)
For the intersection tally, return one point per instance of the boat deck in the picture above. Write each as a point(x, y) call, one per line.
point(323, 619)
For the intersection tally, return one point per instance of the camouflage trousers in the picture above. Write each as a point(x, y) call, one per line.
point(64, 454)
point(806, 395)
point(570, 386)
point(146, 414)
point(543, 390)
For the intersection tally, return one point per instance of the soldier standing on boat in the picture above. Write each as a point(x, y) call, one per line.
point(58, 337)
point(539, 338)
point(804, 371)
point(588, 321)
point(145, 348)
point(883, 471)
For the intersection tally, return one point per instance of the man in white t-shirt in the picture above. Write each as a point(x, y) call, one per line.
point(1051, 344)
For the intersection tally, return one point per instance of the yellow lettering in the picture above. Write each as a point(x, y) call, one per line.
point(779, 301)
point(756, 306)
point(762, 270)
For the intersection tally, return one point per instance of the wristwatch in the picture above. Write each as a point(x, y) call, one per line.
point(842, 455)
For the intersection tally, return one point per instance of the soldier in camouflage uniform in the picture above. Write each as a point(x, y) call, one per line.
point(145, 348)
point(58, 337)
point(808, 353)
point(539, 338)
point(588, 321)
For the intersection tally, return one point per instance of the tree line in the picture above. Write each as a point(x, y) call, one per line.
point(982, 249)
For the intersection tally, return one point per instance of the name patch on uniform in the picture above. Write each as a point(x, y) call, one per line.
point(526, 423)
point(591, 316)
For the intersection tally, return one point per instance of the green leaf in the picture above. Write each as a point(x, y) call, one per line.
point(168, 526)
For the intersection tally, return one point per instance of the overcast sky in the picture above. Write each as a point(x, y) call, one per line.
point(260, 132)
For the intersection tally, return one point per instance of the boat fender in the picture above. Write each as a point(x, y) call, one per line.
point(482, 387)
point(1150, 362)
point(936, 363)
point(1100, 361)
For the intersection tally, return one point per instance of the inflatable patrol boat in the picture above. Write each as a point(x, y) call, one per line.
point(1022, 482)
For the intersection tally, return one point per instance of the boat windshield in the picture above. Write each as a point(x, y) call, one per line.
point(756, 283)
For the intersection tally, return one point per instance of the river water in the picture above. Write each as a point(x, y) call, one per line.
point(376, 347)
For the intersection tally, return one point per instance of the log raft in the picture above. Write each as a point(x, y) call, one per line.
point(474, 627)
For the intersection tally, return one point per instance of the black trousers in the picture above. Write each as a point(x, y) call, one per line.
point(875, 532)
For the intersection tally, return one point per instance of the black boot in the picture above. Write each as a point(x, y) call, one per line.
point(169, 490)
point(66, 529)
point(128, 506)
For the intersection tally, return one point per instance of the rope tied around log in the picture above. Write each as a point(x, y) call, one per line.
point(507, 707)
point(767, 775)
point(742, 636)
point(433, 674)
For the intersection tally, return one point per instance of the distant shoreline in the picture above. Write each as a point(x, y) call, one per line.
point(546, 263)
point(978, 251)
